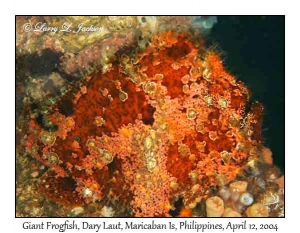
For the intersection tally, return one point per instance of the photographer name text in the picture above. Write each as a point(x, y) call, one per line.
point(65, 27)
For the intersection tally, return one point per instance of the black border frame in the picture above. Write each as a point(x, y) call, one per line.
point(66, 217)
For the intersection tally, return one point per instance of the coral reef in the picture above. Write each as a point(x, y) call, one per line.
point(153, 131)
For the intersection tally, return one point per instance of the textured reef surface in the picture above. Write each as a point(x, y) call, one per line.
point(144, 122)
